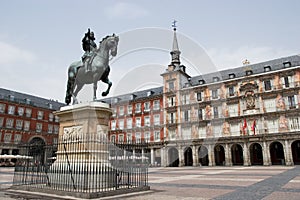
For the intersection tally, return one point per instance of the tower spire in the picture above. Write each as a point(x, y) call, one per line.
point(175, 53)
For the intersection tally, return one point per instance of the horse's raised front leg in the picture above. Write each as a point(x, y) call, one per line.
point(95, 91)
point(109, 86)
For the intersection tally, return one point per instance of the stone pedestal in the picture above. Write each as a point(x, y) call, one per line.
point(82, 160)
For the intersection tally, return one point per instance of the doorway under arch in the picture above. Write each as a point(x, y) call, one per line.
point(277, 153)
point(256, 155)
point(188, 157)
point(203, 156)
point(296, 152)
point(173, 157)
point(219, 155)
point(37, 150)
point(237, 154)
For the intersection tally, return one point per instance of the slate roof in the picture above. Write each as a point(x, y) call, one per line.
point(258, 68)
point(138, 95)
point(18, 97)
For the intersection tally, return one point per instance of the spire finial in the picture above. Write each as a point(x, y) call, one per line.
point(174, 25)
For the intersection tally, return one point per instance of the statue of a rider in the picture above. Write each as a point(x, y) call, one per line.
point(89, 46)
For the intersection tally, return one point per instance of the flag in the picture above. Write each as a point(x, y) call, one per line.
point(244, 126)
point(253, 126)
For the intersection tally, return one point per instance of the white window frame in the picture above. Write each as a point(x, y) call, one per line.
point(26, 126)
point(11, 110)
point(20, 111)
point(129, 123)
point(147, 106)
point(138, 122)
point(121, 110)
point(138, 108)
point(147, 121)
point(157, 120)
point(156, 105)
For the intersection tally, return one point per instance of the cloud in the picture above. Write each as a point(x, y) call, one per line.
point(230, 58)
point(126, 10)
point(11, 54)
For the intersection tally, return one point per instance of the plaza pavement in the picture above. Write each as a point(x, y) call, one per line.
point(191, 183)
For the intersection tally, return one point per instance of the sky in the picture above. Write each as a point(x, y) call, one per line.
point(40, 39)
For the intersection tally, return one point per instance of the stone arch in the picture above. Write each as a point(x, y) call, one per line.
point(256, 154)
point(277, 153)
point(173, 157)
point(203, 155)
point(219, 155)
point(188, 156)
point(36, 149)
point(296, 152)
point(237, 154)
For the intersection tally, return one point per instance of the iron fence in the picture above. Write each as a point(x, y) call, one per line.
point(83, 167)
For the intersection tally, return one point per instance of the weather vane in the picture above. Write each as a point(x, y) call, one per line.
point(174, 25)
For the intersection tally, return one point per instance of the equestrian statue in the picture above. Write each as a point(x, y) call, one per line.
point(93, 67)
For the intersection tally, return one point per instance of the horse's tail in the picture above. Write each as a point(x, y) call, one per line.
point(70, 85)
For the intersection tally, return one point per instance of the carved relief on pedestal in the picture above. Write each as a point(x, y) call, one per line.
point(74, 133)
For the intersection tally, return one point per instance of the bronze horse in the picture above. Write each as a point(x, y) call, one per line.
point(78, 77)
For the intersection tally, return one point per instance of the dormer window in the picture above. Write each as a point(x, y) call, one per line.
point(231, 76)
point(11, 97)
point(287, 64)
point(201, 82)
point(216, 79)
point(132, 96)
point(267, 68)
point(27, 101)
point(249, 72)
point(149, 93)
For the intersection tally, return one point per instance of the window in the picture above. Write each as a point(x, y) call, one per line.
point(171, 101)
point(28, 112)
point(17, 138)
point(231, 91)
point(147, 136)
point(287, 64)
point(50, 128)
point(26, 126)
point(156, 120)
point(156, 105)
point(214, 94)
point(186, 115)
point(9, 123)
point(138, 122)
point(11, 110)
point(56, 128)
point(147, 106)
point(171, 86)
point(20, 111)
point(138, 137)
point(129, 123)
point(19, 124)
point(185, 99)
point(2, 108)
point(138, 108)
point(121, 110)
point(51, 116)
point(7, 137)
point(286, 81)
point(201, 82)
point(231, 76)
point(40, 115)
point(249, 72)
point(121, 138)
point(157, 136)
point(121, 124)
point(267, 68)
point(172, 118)
point(55, 140)
point(113, 125)
point(1, 123)
point(199, 96)
point(291, 101)
point(56, 119)
point(114, 112)
point(294, 123)
point(267, 85)
point(129, 109)
point(129, 137)
point(216, 112)
point(200, 115)
point(39, 127)
point(216, 79)
point(147, 121)
point(113, 138)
